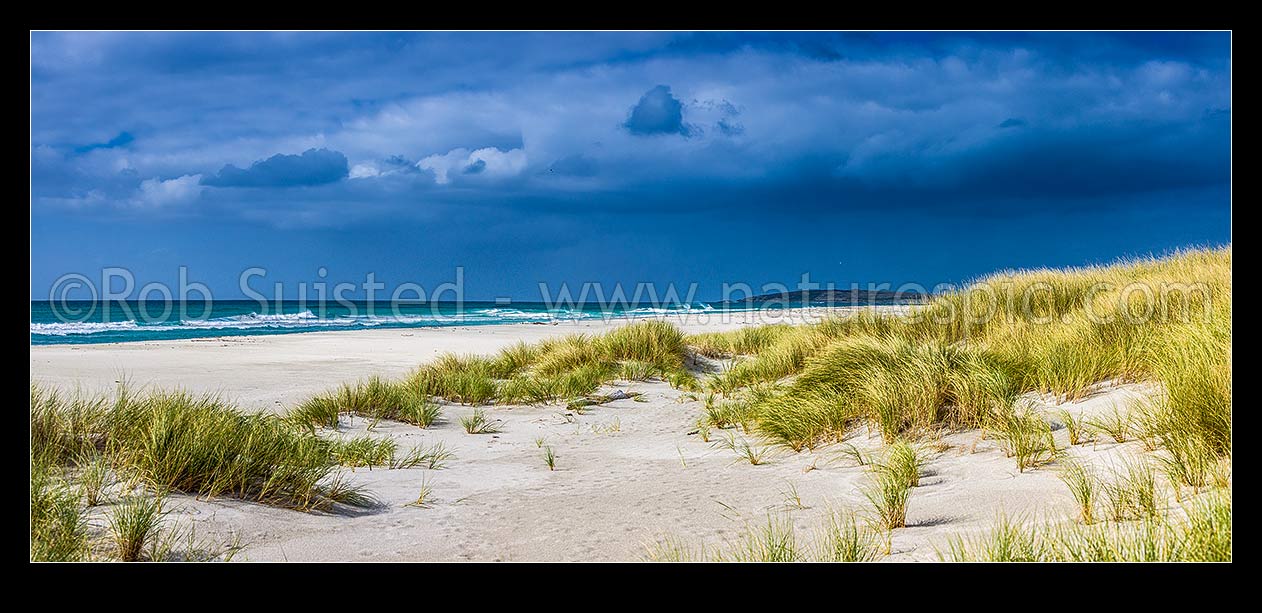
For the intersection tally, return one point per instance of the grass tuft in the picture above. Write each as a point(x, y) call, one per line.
point(1085, 487)
point(94, 477)
point(174, 441)
point(478, 423)
point(1076, 427)
point(1133, 492)
point(424, 496)
point(59, 528)
point(1204, 535)
point(1026, 437)
point(903, 463)
point(1117, 423)
point(364, 451)
point(133, 523)
point(433, 457)
point(774, 541)
point(754, 454)
point(888, 494)
point(842, 539)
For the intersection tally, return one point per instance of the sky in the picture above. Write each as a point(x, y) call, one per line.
point(637, 157)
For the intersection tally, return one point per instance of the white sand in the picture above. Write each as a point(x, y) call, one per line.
point(262, 372)
point(628, 473)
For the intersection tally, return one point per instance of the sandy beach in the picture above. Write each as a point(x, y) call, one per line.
point(629, 473)
point(268, 372)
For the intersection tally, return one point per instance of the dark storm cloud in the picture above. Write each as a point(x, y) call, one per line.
point(311, 167)
point(657, 112)
point(122, 140)
point(577, 165)
point(447, 135)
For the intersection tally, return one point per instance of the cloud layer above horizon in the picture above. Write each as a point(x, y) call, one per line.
point(329, 130)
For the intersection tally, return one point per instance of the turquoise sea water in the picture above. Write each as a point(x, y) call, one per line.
point(95, 322)
point(98, 322)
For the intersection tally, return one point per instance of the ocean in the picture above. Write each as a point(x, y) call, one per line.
point(85, 322)
point(96, 322)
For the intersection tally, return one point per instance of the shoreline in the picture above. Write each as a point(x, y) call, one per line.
point(275, 371)
point(683, 319)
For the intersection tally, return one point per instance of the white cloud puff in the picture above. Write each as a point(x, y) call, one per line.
point(172, 192)
point(364, 171)
point(488, 161)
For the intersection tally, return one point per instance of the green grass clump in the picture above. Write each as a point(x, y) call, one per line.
point(1085, 488)
point(567, 353)
point(552, 370)
point(654, 342)
point(63, 429)
point(729, 413)
point(478, 423)
point(673, 549)
point(522, 389)
point(364, 451)
point(842, 539)
point(513, 359)
point(1133, 493)
point(848, 450)
point(424, 495)
point(1117, 423)
point(635, 370)
point(133, 523)
point(550, 457)
point(786, 356)
point(432, 457)
point(175, 441)
point(580, 381)
point(93, 477)
point(375, 399)
point(900, 385)
point(469, 380)
point(754, 454)
point(1188, 464)
point(1204, 535)
point(961, 360)
point(1076, 427)
point(903, 463)
point(774, 541)
point(838, 539)
point(742, 341)
point(59, 527)
point(683, 380)
point(888, 494)
point(1007, 541)
point(197, 444)
point(1026, 437)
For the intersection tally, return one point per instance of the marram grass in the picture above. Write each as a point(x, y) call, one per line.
point(59, 527)
point(960, 361)
point(554, 370)
point(375, 399)
point(1203, 534)
point(175, 441)
point(839, 537)
point(134, 523)
point(963, 359)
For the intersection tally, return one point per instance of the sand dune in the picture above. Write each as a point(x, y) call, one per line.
point(628, 472)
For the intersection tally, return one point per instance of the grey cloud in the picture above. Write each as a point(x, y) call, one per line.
point(657, 112)
point(311, 167)
point(577, 165)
